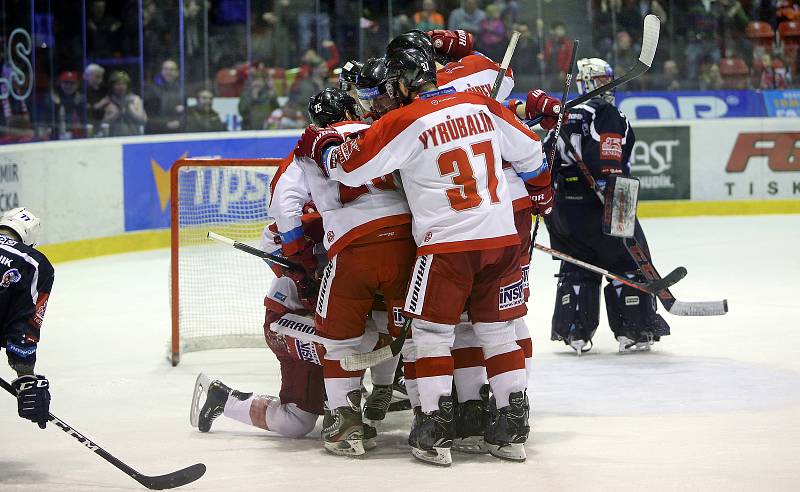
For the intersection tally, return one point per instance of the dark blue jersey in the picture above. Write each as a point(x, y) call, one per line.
point(26, 279)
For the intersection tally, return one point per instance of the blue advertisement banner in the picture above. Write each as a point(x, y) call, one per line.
point(686, 105)
point(146, 185)
point(783, 104)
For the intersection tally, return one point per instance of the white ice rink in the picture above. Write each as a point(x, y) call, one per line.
point(715, 406)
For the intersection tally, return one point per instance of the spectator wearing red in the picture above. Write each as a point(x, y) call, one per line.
point(770, 73)
point(428, 19)
point(557, 50)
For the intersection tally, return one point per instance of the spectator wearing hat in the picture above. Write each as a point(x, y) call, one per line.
point(96, 93)
point(66, 107)
point(202, 117)
point(124, 114)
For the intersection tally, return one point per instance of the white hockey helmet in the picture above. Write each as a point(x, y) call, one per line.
point(24, 223)
point(593, 73)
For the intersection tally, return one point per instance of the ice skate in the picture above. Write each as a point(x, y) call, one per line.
point(434, 437)
point(471, 420)
point(216, 394)
point(506, 435)
point(626, 345)
point(377, 403)
point(342, 428)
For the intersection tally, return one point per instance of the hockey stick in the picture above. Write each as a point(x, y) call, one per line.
point(359, 362)
point(642, 259)
point(309, 287)
point(512, 45)
point(651, 287)
point(651, 29)
point(160, 482)
point(559, 121)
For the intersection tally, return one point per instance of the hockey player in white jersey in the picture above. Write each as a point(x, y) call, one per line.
point(466, 70)
point(448, 148)
point(370, 250)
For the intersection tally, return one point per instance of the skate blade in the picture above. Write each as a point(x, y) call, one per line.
point(200, 389)
point(436, 456)
point(580, 346)
point(510, 452)
point(370, 444)
point(350, 447)
point(639, 347)
point(470, 445)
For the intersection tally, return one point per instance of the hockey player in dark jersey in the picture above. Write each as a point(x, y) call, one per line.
point(26, 279)
point(599, 134)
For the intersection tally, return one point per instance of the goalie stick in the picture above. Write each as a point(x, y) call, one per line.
point(652, 287)
point(159, 482)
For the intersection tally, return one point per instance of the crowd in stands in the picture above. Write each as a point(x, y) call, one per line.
point(291, 53)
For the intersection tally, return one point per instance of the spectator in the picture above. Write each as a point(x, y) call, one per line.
point(492, 33)
point(125, 114)
point(158, 39)
point(509, 10)
point(96, 94)
point(428, 18)
point(68, 108)
point(270, 41)
point(625, 53)
point(402, 23)
point(468, 17)
point(102, 32)
point(309, 21)
point(710, 78)
point(256, 103)
point(311, 59)
point(288, 117)
point(164, 102)
point(557, 50)
point(701, 28)
point(202, 117)
point(770, 74)
point(629, 17)
point(306, 87)
point(670, 78)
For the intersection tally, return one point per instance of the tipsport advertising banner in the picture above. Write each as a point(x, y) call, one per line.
point(146, 177)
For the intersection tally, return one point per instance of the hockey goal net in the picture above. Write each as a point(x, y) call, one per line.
point(217, 292)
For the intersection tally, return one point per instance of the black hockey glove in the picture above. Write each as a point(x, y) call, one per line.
point(33, 398)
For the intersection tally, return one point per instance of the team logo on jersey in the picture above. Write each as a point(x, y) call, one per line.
point(611, 146)
point(512, 295)
point(279, 296)
point(428, 237)
point(11, 276)
point(397, 317)
point(631, 300)
point(330, 236)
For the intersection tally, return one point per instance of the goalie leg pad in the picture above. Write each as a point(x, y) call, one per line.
point(577, 311)
point(632, 314)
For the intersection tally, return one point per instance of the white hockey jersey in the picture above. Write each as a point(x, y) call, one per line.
point(448, 148)
point(477, 73)
point(347, 212)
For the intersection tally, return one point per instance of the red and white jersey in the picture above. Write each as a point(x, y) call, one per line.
point(477, 73)
point(448, 148)
point(289, 192)
point(347, 212)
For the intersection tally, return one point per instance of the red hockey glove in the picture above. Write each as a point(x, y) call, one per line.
point(455, 44)
point(314, 141)
point(542, 198)
point(539, 104)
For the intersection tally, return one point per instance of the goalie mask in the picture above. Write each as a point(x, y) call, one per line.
point(23, 223)
point(331, 106)
point(594, 73)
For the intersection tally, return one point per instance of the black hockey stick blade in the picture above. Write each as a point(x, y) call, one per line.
point(172, 480)
point(160, 482)
point(668, 280)
point(359, 362)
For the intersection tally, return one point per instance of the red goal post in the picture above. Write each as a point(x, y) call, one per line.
point(217, 293)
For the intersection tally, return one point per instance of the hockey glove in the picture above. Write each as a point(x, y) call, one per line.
point(539, 104)
point(314, 141)
point(455, 44)
point(542, 198)
point(33, 398)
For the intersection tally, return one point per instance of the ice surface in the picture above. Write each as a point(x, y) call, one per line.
point(715, 406)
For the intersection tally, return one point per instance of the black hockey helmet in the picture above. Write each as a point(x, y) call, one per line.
point(349, 75)
point(331, 106)
point(413, 67)
point(416, 39)
point(374, 88)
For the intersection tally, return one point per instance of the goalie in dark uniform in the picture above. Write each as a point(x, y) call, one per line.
point(26, 279)
point(597, 133)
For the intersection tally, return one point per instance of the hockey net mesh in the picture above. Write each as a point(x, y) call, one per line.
point(217, 292)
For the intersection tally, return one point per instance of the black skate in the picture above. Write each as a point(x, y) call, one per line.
point(642, 340)
point(506, 435)
point(416, 422)
point(216, 394)
point(471, 420)
point(377, 403)
point(434, 437)
point(342, 428)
